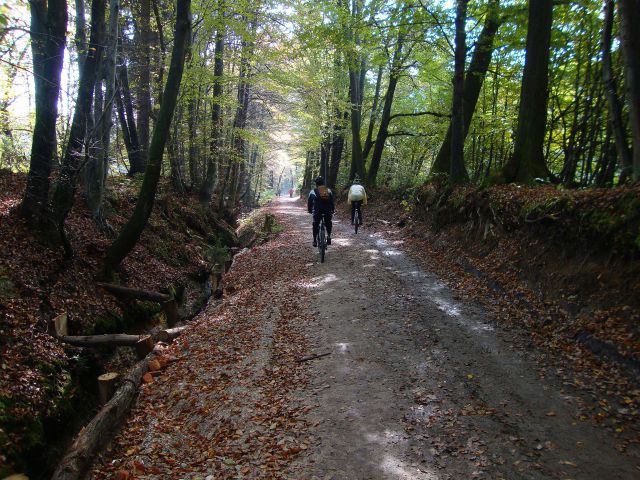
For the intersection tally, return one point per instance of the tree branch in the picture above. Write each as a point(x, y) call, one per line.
point(419, 114)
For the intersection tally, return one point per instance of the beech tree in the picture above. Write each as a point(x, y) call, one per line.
point(527, 161)
point(48, 29)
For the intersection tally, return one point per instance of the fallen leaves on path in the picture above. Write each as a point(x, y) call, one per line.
point(226, 409)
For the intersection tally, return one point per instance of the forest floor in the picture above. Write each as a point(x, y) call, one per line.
point(418, 384)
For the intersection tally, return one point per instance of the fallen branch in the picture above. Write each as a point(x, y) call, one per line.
point(93, 436)
point(136, 293)
point(114, 339)
point(306, 358)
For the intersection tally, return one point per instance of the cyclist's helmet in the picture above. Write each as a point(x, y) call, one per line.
point(319, 181)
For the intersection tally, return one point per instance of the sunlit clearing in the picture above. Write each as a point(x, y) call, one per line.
point(343, 242)
point(372, 251)
point(320, 281)
point(392, 253)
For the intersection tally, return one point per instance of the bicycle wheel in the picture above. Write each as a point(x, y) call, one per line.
point(322, 241)
point(356, 220)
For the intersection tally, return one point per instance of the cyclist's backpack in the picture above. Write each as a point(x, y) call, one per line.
point(357, 193)
point(323, 192)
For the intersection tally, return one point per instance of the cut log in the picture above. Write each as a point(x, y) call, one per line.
point(144, 346)
point(60, 324)
point(107, 383)
point(169, 334)
point(135, 293)
point(113, 339)
point(96, 434)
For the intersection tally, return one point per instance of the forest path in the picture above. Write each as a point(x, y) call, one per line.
point(420, 386)
point(417, 385)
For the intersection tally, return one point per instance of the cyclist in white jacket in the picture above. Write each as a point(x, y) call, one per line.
point(357, 197)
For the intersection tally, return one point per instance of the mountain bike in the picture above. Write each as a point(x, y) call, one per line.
point(357, 216)
point(322, 239)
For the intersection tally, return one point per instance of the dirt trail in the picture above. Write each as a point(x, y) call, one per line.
point(420, 386)
point(417, 386)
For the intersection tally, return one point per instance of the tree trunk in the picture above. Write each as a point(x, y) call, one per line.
point(194, 147)
point(457, 170)
point(128, 122)
point(337, 147)
point(97, 168)
point(325, 154)
point(629, 11)
point(357, 158)
point(143, 92)
point(473, 80)
point(216, 119)
point(48, 30)
point(64, 193)
point(132, 230)
point(240, 119)
point(176, 159)
point(385, 119)
point(527, 161)
point(307, 178)
point(368, 143)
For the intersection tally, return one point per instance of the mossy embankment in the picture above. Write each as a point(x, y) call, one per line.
point(48, 391)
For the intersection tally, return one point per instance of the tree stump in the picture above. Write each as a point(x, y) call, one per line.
point(144, 346)
point(60, 324)
point(107, 383)
point(170, 309)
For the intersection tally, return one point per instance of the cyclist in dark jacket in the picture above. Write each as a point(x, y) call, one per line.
point(320, 203)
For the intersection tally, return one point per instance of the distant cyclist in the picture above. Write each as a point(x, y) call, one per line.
point(320, 203)
point(357, 197)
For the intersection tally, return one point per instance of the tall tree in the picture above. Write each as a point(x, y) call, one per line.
point(124, 104)
point(143, 48)
point(98, 162)
point(357, 64)
point(64, 194)
point(457, 170)
point(527, 161)
point(473, 80)
point(611, 91)
point(48, 29)
point(130, 233)
point(629, 11)
point(216, 116)
point(385, 118)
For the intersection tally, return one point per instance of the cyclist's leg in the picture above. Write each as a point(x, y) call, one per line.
point(316, 227)
point(353, 211)
point(328, 225)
